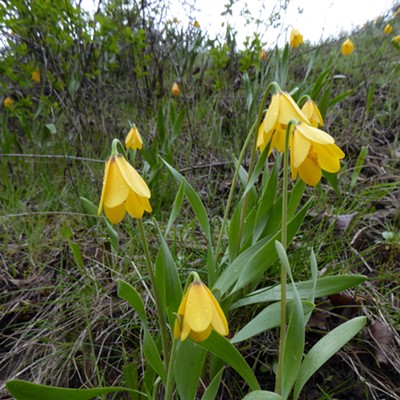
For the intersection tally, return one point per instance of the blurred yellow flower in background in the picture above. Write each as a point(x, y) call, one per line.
point(273, 128)
point(313, 150)
point(123, 190)
point(347, 47)
point(263, 55)
point(196, 24)
point(388, 29)
point(8, 102)
point(175, 89)
point(296, 38)
point(35, 76)
point(396, 39)
point(133, 140)
point(311, 111)
point(199, 313)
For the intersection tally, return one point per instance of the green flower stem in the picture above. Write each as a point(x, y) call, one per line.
point(251, 167)
point(161, 316)
point(117, 147)
point(170, 376)
point(282, 338)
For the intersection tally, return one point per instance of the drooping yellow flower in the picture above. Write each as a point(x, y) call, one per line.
point(313, 150)
point(273, 128)
point(133, 140)
point(35, 76)
point(388, 29)
point(396, 39)
point(175, 89)
point(123, 190)
point(263, 55)
point(347, 47)
point(296, 38)
point(199, 313)
point(196, 24)
point(8, 102)
point(311, 111)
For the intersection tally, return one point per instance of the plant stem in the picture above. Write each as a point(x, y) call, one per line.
point(170, 376)
point(282, 338)
point(160, 313)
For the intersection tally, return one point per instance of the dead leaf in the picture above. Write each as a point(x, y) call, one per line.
point(383, 336)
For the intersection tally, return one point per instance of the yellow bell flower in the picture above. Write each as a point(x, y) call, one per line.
point(388, 29)
point(35, 76)
point(273, 128)
point(396, 39)
point(133, 140)
point(196, 24)
point(263, 55)
point(296, 38)
point(311, 111)
point(123, 190)
point(198, 314)
point(8, 102)
point(347, 47)
point(175, 89)
point(313, 150)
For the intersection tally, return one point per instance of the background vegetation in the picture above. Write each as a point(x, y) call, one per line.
point(61, 322)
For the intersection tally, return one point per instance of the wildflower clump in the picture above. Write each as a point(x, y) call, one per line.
point(199, 313)
point(124, 190)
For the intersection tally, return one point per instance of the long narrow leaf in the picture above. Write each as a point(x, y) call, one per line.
point(262, 395)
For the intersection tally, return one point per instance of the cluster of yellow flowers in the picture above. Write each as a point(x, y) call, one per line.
point(311, 149)
point(388, 29)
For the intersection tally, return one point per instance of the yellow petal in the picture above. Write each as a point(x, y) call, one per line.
point(328, 157)
point(300, 148)
point(198, 311)
point(177, 330)
point(312, 112)
point(310, 172)
point(314, 134)
point(200, 336)
point(103, 191)
point(218, 321)
point(115, 214)
point(115, 187)
point(132, 178)
point(288, 110)
point(136, 205)
point(133, 139)
point(271, 117)
point(185, 329)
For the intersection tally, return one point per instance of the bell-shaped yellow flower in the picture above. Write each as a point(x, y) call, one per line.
point(313, 150)
point(175, 89)
point(8, 102)
point(123, 190)
point(388, 29)
point(273, 128)
point(263, 55)
point(133, 140)
point(198, 314)
point(196, 24)
point(35, 76)
point(296, 38)
point(311, 111)
point(396, 39)
point(347, 47)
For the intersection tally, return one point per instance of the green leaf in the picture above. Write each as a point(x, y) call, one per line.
point(22, 390)
point(189, 363)
point(52, 128)
point(130, 373)
point(267, 319)
point(176, 207)
point(325, 286)
point(152, 354)
point(212, 390)
point(295, 337)
point(262, 395)
point(295, 195)
point(222, 348)
point(325, 348)
point(128, 293)
point(194, 200)
point(359, 164)
point(161, 125)
point(90, 207)
point(113, 235)
point(234, 232)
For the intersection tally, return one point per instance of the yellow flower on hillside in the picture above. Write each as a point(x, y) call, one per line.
point(196, 24)
point(123, 190)
point(388, 29)
point(176, 91)
point(35, 76)
point(313, 150)
point(311, 111)
point(199, 313)
point(347, 47)
point(8, 102)
point(296, 38)
point(273, 128)
point(133, 140)
point(396, 39)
